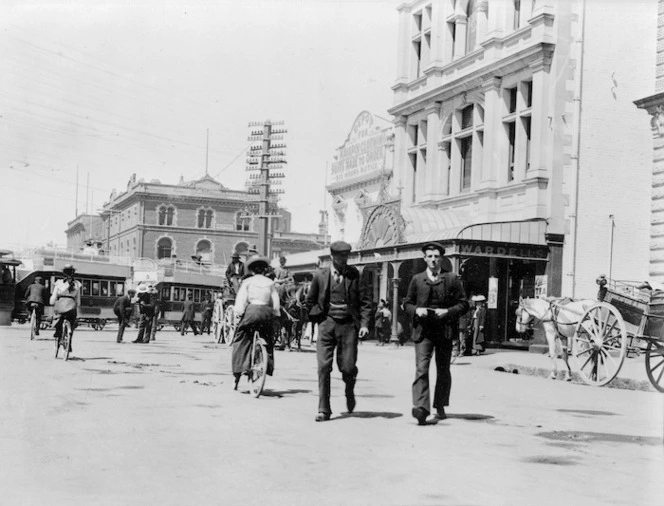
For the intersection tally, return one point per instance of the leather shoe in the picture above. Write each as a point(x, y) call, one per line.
point(322, 417)
point(421, 415)
point(350, 402)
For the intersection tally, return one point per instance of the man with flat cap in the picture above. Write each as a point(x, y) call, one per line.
point(434, 302)
point(340, 302)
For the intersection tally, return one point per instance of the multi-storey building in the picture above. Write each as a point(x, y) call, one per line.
point(517, 146)
point(198, 219)
point(85, 230)
point(654, 105)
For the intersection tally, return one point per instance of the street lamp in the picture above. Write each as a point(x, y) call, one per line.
point(613, 225)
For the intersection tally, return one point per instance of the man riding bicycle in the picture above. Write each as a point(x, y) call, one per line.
point(66, 299)
point(256, 305)
point(35, 296)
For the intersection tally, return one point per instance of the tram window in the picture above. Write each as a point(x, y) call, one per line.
point(95, 288)
point(119, 289)
point(104, 288)
point(197, 295)
point(190, 293)
point(183, 294)
point(165, 293)
point(176, 293)
point(86, 287)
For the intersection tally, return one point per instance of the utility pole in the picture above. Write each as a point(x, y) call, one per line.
point(265, 156)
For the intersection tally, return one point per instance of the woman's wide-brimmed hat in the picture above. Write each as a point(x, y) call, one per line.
point(478, 298)
point(145, 288)
point(256, 261)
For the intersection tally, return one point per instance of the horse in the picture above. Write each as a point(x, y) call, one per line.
point(559, 318)
point(293, 314)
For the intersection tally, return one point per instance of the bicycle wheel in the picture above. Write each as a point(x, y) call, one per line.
point(258, 362)
point(33, 324)
point(66, 338)
point(228, 325)
point(57, 345)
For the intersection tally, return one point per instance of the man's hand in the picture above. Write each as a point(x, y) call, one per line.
point(421, 312)
point(441, 312)
point(363, 332)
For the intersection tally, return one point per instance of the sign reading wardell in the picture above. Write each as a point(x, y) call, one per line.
point(509, 251)
point(363, 152)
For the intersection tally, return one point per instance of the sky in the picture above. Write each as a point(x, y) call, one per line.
point(99, 90)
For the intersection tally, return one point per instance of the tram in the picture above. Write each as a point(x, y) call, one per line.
point(102, 280)
point(172, 296)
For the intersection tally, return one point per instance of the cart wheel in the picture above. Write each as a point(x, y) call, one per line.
point(228, 325)
point(655, 364)
point(600, 344)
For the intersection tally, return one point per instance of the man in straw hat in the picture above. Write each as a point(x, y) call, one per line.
point(339, 300)
point(434, 302)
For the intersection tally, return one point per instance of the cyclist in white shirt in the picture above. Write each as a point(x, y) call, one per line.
point(66, 299)
point(256, 304)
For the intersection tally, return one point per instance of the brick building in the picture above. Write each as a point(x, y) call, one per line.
point(200, 218)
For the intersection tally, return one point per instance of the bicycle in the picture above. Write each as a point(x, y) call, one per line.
point(64, 340)
point(258, 365)
point(227, 325)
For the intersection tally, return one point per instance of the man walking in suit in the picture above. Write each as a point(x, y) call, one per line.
point(340, 301)
point(435, 301)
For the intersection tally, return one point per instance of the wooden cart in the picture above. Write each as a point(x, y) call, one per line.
point(628, 320)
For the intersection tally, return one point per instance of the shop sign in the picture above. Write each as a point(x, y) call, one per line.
point(541, 286)
point(492, 300)
point(363, 152)
point(491, 250)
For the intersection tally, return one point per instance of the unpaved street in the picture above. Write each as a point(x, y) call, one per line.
point(160, 424)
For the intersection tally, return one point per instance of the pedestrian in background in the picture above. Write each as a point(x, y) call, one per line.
point(206, 315)
point(146, 311)
point(383, 324)
point(479, 318)
point(156, 302)
point(122, 308)
point(188, 315)
point(434, 302)
point(341, 302)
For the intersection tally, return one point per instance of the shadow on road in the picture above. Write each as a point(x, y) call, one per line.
point(469, 416)
point(280, 393)
point(369, 414)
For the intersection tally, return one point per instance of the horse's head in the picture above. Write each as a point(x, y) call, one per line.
point(530, 313)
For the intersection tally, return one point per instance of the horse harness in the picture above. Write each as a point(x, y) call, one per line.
point(555, 306)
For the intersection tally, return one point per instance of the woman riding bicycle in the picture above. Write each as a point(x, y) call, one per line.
point(256, 305)
point(66, 299)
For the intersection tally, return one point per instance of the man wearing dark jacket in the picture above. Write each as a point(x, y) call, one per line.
point(435, 301)
point(146, 308)
point(188, 315)
point(35, 296)
point(122, 309)
point(340, 301)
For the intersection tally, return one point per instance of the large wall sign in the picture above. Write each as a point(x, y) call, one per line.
point(363, 152)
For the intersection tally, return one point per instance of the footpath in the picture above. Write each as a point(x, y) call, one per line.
point(632, 374)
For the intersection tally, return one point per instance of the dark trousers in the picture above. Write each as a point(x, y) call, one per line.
point(256, 317)
point(342, 336)
point(423, 352)
point(145, 328)
point(186, 323)
point(206, 322)
point(123, 321)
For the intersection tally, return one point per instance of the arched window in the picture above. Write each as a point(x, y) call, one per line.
point(166, 215)
point(164, 248)
point(204, 251)
point(205, 218)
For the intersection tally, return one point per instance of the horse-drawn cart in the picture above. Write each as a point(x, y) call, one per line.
point(608, 330)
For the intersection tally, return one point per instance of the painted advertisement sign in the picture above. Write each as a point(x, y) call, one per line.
point(363, 152)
